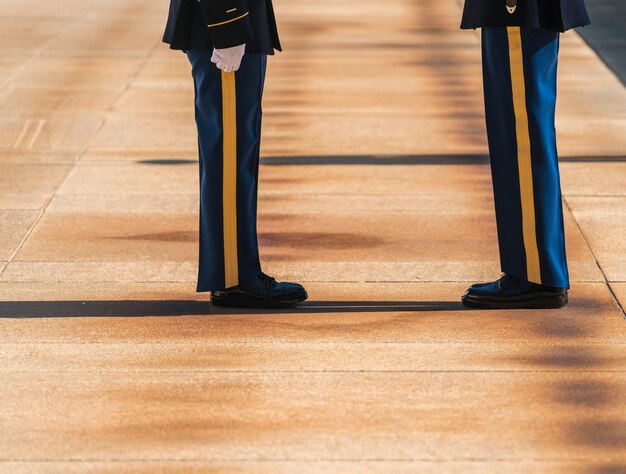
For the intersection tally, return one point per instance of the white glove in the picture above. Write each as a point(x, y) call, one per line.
point(229, 59)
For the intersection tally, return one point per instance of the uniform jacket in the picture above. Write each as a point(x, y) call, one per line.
point(205, 24)
point(557, 15)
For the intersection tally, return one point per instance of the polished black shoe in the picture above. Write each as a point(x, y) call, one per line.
point(514, 293)
point(261, 291)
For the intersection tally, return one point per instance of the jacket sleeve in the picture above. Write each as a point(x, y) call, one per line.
point(228, 22)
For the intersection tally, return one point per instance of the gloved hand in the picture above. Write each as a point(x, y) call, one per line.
point(229, 59)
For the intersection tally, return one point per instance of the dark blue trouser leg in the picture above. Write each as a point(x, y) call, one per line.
point(228, 116)
point(520, 69)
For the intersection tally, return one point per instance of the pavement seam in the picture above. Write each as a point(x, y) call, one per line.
point(289, 342)
point(202, 342)
point(212, 372)
point(606, 280)
point(312, 460)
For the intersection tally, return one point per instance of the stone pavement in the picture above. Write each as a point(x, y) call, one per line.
point(375, 192)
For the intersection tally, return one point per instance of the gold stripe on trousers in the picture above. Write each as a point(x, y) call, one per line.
point(229, 119)
point(524, 161)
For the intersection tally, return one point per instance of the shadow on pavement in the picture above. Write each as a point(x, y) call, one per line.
point(145, 308)
point(386, 160)
point(415, 160)
point(582, 392)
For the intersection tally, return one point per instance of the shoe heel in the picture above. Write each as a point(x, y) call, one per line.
point(563, 300)
point(221, 302)
point(552, 302)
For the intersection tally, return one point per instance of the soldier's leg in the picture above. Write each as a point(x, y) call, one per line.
point(228, 116)
point(520, 70)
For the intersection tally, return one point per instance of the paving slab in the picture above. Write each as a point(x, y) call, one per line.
point(152, 98)
point(167, 68)
point(143, 187)
point(125, 202)
point(393, 175)
point(340, 271)
point(78, 73)
point(606, 132)
point(29, 186)
point(603, 222)
point(138, 177)
point(164, 134)
point(46, 132)
point(55, 101)
point(607, 179)
point(123, 39)
point(14, 224)
point(173, 237)
point(507, 416)
point(75, 237)
point(10, 66)
point(194, 356)
point(55, 290)
point(409, 270)
point(314, 466)
point(21, 35)
point(401, 212)
point(11, 155)
point(100, 272)
point(46, 10)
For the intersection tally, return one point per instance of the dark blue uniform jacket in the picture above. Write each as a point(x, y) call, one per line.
point(206, 24)
point(556, 15)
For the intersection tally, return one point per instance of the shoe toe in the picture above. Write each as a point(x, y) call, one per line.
point(287, 289)
point(478, 286)
point(483, 289)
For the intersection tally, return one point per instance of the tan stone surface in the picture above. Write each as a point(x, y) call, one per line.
point(9, 66)
point(29, 186)
point(14, 224)
point(603, 222)
point(123, 38)
point(109, 362)
point(49, 100)
point(67, 237)
point(235, 416)
point(164, 67)
point(156, 97)
point(23, 36)
point(14, 155)
point(607, 179)
point(261, 466)
point(49, 133)
point(166, 134)
point(137, 178)
point(338, 271)
point(92, 73)
point(219, 356)
point(99, 272)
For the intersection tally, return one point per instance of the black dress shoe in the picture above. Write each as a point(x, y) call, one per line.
point(514, 293)
point(261, 291)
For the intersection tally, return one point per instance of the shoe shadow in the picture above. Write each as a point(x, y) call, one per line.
point(155, 308)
